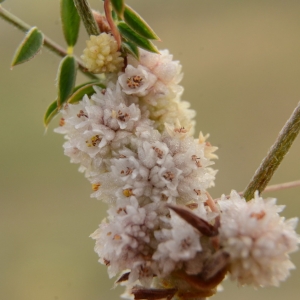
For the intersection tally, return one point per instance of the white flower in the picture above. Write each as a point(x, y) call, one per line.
point(102, 55)
point(258, 240)
point(208, 148)
point(152, 153)
point(93, 140)
point(163, 98)
point(166, 176)
point(95, 127)
point(176, 129)
point(129, 169)
point(137, 81)
point(178, 244)
point(161, 65)
point(125, 242)
point(133, 139)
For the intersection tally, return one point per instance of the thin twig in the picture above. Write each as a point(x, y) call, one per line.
point(48, 43)
point(275, 155)
point(282, 186)
point(86, 15)
point(111, 23)
point(274, 188)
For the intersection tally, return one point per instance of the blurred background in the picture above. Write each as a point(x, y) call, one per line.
point(241, 63)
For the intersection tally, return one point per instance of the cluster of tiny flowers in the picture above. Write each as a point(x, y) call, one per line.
point(134, 141)
point(258, 240)
point(155, 78)
point(101, 54)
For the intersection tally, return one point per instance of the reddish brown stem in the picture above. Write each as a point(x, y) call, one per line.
point(113, 27)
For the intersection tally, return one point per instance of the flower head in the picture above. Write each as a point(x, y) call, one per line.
point(101, 54)
point(137, 81)
point(258, 240)
point(158, 84)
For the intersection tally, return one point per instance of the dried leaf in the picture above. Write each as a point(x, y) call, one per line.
point(216, 263)
point(201, 225)
point(124, 277)
point(152, 294)
point(205, 288)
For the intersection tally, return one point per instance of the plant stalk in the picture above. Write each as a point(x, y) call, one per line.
point(271, 188)
point(282, 186)
point(86, 15)
point(275, 155)
point(48, 43)
point(111, 23)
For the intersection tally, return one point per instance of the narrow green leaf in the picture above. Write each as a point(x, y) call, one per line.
point(118, 6)
point(70, 21)
point(66, 77)
point(86, 89)
point(29, 47)
point(138, 24)
point(135, 38)
point(114, 16)
point(51, 112)
point(76, 88)
point(132, 49)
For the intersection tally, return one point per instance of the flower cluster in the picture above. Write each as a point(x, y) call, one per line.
point(258, 240)
point(134, 142)
point(101, 54)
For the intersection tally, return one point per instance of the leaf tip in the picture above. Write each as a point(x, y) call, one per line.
point(29, 47)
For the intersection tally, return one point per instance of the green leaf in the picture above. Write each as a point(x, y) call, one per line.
point(138, 24)
point(135, 38)
point(114, 16)
point(29, 47)
point(118, 6)
point(70, 21)
point(66, 77)
point(76, 88)
point(132, 49)
point(2, 1)
point(86, 89)
point(51, 112)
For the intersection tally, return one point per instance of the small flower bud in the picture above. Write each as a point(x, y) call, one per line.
point(101, 54)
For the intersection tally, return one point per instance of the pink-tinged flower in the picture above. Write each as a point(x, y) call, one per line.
point(137, 81)
point(177, 245)
point(257, 239)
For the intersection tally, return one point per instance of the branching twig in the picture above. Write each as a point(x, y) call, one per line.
point(48, 43)
point(274, 187)
point(275, 155)
point(282, 186)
